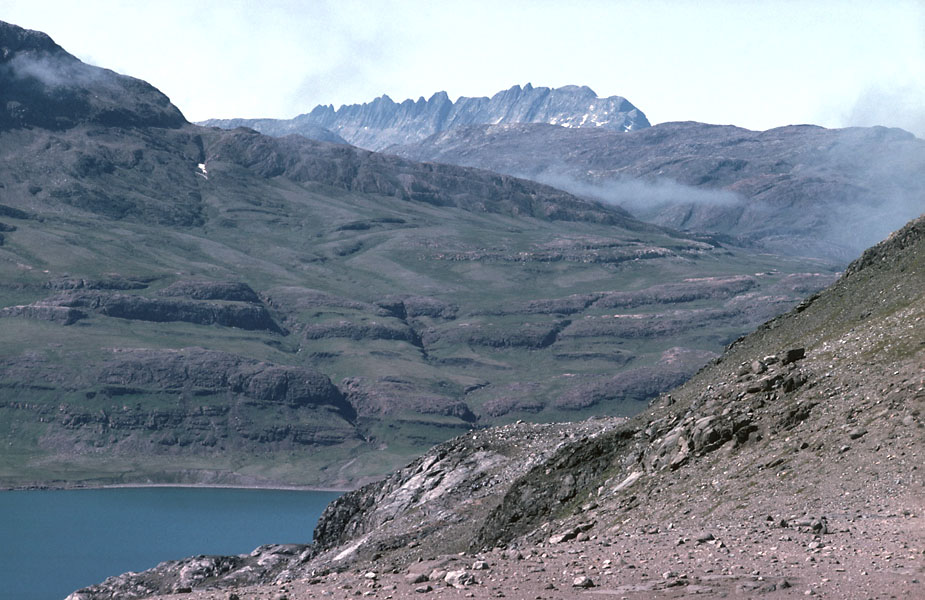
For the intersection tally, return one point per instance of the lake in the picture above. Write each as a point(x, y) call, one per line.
point(53, 542)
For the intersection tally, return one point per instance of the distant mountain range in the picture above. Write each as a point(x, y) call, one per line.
point(381, 123)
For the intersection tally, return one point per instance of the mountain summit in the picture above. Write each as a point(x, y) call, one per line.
point(383, 122)
point(42, 85)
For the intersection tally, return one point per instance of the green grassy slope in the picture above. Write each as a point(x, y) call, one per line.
point(430, 319)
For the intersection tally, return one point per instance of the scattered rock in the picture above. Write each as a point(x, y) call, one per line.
point(705, 537)
point(792, 355)
point(459, 579)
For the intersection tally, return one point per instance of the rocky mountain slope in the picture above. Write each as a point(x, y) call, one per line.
point(383, 122)
point(41, 85)
point(799, 190)
point(791, 466)
point(189, 304)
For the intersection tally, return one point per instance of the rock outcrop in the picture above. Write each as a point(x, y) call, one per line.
point(205, 372)
point(243, 315)
point(63, 315)
point(191, 401)
point(231, 291)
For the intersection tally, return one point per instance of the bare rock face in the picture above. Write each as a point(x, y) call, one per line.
point(362, 330)
point(452, 482)
point(525, 335)
point(410, 307)
point(13, 213)
point(391, 395)
point(62, 315)
point(382, 122)
point(127, 306)
point(210, 372)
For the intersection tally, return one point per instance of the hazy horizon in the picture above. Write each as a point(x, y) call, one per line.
point(756, 65)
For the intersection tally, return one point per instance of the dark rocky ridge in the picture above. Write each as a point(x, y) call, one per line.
point(382, 123)
point(303, 160)
point(41, 85)
point(807, 190)
point(244, 315)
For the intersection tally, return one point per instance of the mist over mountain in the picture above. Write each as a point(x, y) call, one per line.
point(801, 190)
point(381, 123)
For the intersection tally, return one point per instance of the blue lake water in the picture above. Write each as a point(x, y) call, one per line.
point(54, 542)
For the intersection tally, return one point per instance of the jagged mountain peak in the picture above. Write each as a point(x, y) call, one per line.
point(383, 123)
point(41, 85)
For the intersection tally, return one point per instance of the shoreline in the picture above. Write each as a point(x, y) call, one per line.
point(77, 486)
point(283, 488)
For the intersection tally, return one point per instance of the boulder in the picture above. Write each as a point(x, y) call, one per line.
point(459, 579)
point(792, 355)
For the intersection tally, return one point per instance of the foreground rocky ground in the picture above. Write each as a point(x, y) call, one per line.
point(792, 466)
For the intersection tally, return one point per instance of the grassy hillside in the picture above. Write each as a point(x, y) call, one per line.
point(430, 318)
point(180, 303)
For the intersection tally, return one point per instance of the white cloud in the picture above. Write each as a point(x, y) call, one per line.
point(902, 107)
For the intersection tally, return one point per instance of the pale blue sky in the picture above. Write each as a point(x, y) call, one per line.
point(757, 64)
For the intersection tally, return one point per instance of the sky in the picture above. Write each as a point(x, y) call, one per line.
point(756, 64)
